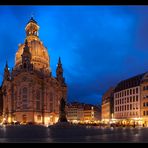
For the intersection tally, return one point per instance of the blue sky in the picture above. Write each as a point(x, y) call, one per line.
point(98, 45)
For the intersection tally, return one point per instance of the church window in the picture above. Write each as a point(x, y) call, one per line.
point(51, 101)
point(24, 97)
point(38, 106)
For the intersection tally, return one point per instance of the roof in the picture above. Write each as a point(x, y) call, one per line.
point(32, 20)
point(128, 83)
point(108, 93)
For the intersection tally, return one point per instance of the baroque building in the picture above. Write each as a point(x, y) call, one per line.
point(30, 92)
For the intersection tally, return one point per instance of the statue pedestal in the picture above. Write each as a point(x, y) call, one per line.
point(61, 125)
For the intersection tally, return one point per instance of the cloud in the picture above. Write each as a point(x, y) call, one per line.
point(98, 45)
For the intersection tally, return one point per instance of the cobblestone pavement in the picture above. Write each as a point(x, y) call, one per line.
point(41, 134)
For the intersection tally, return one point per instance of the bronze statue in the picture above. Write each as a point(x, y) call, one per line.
point(62, 112)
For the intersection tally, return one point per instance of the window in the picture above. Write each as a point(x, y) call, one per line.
point(133, 91)
point(38, 101)
point(144, 104)
point(143, 113)
point(24, 98)
point(124, 100)
point(130, 106)
point(130, 91)
point(122, 93)
point(144, 88)
point(127, 92)
point(133, 98)
point(136, 98)
point(127, 107)
point(127, 99)
point(137, 90)
point(130, 99)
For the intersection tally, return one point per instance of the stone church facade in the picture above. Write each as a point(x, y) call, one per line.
point(30, 92)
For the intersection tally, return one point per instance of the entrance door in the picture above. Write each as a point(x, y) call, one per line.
point(24, 118)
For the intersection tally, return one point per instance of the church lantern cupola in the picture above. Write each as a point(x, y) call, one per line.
point(32, 28)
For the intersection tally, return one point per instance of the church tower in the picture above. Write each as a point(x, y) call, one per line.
point(59, 72)
point(6, 72)
point(26, 56)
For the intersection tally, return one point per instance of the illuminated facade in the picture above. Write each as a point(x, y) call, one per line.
point(127, 100)
point(107, 106)
point(30, 92)
point(83, 113)
point(144, 99)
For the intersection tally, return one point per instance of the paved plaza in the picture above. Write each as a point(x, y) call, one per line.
point(41, 134)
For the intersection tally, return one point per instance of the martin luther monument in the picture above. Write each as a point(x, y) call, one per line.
point(62, 112)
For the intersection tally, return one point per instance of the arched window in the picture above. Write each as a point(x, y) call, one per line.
point(24, 97)
point(38, 101)
point(51, 102)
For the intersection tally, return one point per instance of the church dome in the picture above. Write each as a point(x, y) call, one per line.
point(39, 55)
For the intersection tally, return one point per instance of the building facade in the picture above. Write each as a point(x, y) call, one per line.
point(30, 92)
point(127, 100)
point(107, 113)
point(83, 113)
point(144, 99)
point(1, 105)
